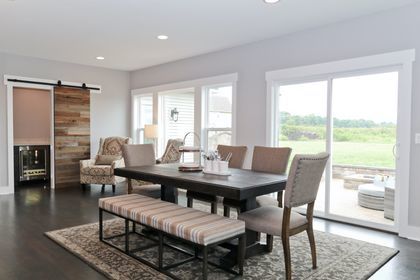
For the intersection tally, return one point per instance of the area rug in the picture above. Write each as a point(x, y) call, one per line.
point(338, 257)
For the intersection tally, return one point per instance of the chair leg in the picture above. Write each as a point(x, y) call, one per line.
point(226, 211)
point(205, 256)
point(214, 207)
point(270, 243)
point(311, 238)
point(83, 186)
point(103, 188)
point(113, 188)
point(287, 257)
point(189, 202)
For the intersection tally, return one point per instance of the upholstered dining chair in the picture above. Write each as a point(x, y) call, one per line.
point(301, 188)
point(171, 154)
point(236, 161)
point(100, 170)
point(140, 155)
point(268, 160)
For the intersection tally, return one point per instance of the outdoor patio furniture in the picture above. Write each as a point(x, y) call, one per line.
point(354, 180)
point(389, 202)
point(371, 196)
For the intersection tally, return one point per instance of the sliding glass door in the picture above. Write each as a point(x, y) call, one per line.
point(302, 118)
point(364, 112)
point(354, 118)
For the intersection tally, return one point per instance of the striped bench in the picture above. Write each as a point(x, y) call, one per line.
point(201, 229)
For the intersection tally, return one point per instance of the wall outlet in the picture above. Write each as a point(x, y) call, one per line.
point(417, 140)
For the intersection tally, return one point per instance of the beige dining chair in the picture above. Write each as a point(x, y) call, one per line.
point(140, 155)
point(236, 161)
point(268, 160)
point(302, 187)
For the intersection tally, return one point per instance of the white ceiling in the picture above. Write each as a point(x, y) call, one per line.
point(124, 31)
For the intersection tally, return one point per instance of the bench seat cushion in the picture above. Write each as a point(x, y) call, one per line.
point(187, 223)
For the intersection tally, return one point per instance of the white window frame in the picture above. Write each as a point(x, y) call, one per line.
point(402, 61)
point(198, 86)
point(136, 118)
point(205, 116)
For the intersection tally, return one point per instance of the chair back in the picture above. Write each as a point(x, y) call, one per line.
point(238, 154)
point(304, 178)
point(139, 155)
point(172, 154)
point(112, 146)
point(270, 159)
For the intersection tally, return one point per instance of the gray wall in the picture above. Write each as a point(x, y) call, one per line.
point(110, 110)
point(386, 32)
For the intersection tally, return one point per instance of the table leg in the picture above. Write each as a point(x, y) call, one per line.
point(253, 246)
point(169, 194)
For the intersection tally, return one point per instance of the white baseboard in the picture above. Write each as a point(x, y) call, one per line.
point(412, 232)
point(5, 190)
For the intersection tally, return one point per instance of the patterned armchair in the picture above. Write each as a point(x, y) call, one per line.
point(101, 169)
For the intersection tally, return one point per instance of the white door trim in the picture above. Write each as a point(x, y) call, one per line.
point(402, 60)
point(10, 188)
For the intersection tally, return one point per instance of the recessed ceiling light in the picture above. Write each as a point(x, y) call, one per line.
point(163, 37)
point(100, 58)
point(271, 1)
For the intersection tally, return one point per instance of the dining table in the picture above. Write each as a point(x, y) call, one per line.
point(241, 188)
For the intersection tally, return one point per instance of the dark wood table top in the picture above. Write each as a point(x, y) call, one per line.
point(241, 184)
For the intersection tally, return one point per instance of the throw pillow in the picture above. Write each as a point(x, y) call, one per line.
point(106, 159)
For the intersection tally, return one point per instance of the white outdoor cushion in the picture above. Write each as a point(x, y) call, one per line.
point(372, 190)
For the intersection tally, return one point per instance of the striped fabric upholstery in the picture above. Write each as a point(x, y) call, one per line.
point(187, 223)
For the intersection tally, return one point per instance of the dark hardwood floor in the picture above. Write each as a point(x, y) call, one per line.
point(25, 253)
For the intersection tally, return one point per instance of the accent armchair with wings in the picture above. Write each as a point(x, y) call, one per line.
point(100, 170)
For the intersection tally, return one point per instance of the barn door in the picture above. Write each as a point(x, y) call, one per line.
point(72, 134)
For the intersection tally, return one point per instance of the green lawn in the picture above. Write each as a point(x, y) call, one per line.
point(351, 153)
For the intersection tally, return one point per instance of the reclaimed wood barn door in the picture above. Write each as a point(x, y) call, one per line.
point(72, 134)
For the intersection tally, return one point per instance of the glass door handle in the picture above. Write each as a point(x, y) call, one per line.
point(395, 150)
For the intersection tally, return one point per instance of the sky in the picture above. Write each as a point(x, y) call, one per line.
point(370, 97)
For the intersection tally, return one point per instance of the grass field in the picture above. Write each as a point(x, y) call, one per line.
point(351, 153)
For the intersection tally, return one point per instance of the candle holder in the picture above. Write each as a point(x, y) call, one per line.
point(195, 165)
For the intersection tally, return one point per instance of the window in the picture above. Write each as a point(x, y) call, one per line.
point(204, 106)
point(217, 115)
point(143, 105)
point(175, 126)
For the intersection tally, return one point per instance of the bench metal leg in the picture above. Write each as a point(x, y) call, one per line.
point(101, 226)
point(241, 253)
point(205, 264)
point(160, 250)
point(134, 226)
point(214, 207)
point(113, 188)
point(127, 236)
point(103, 188)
